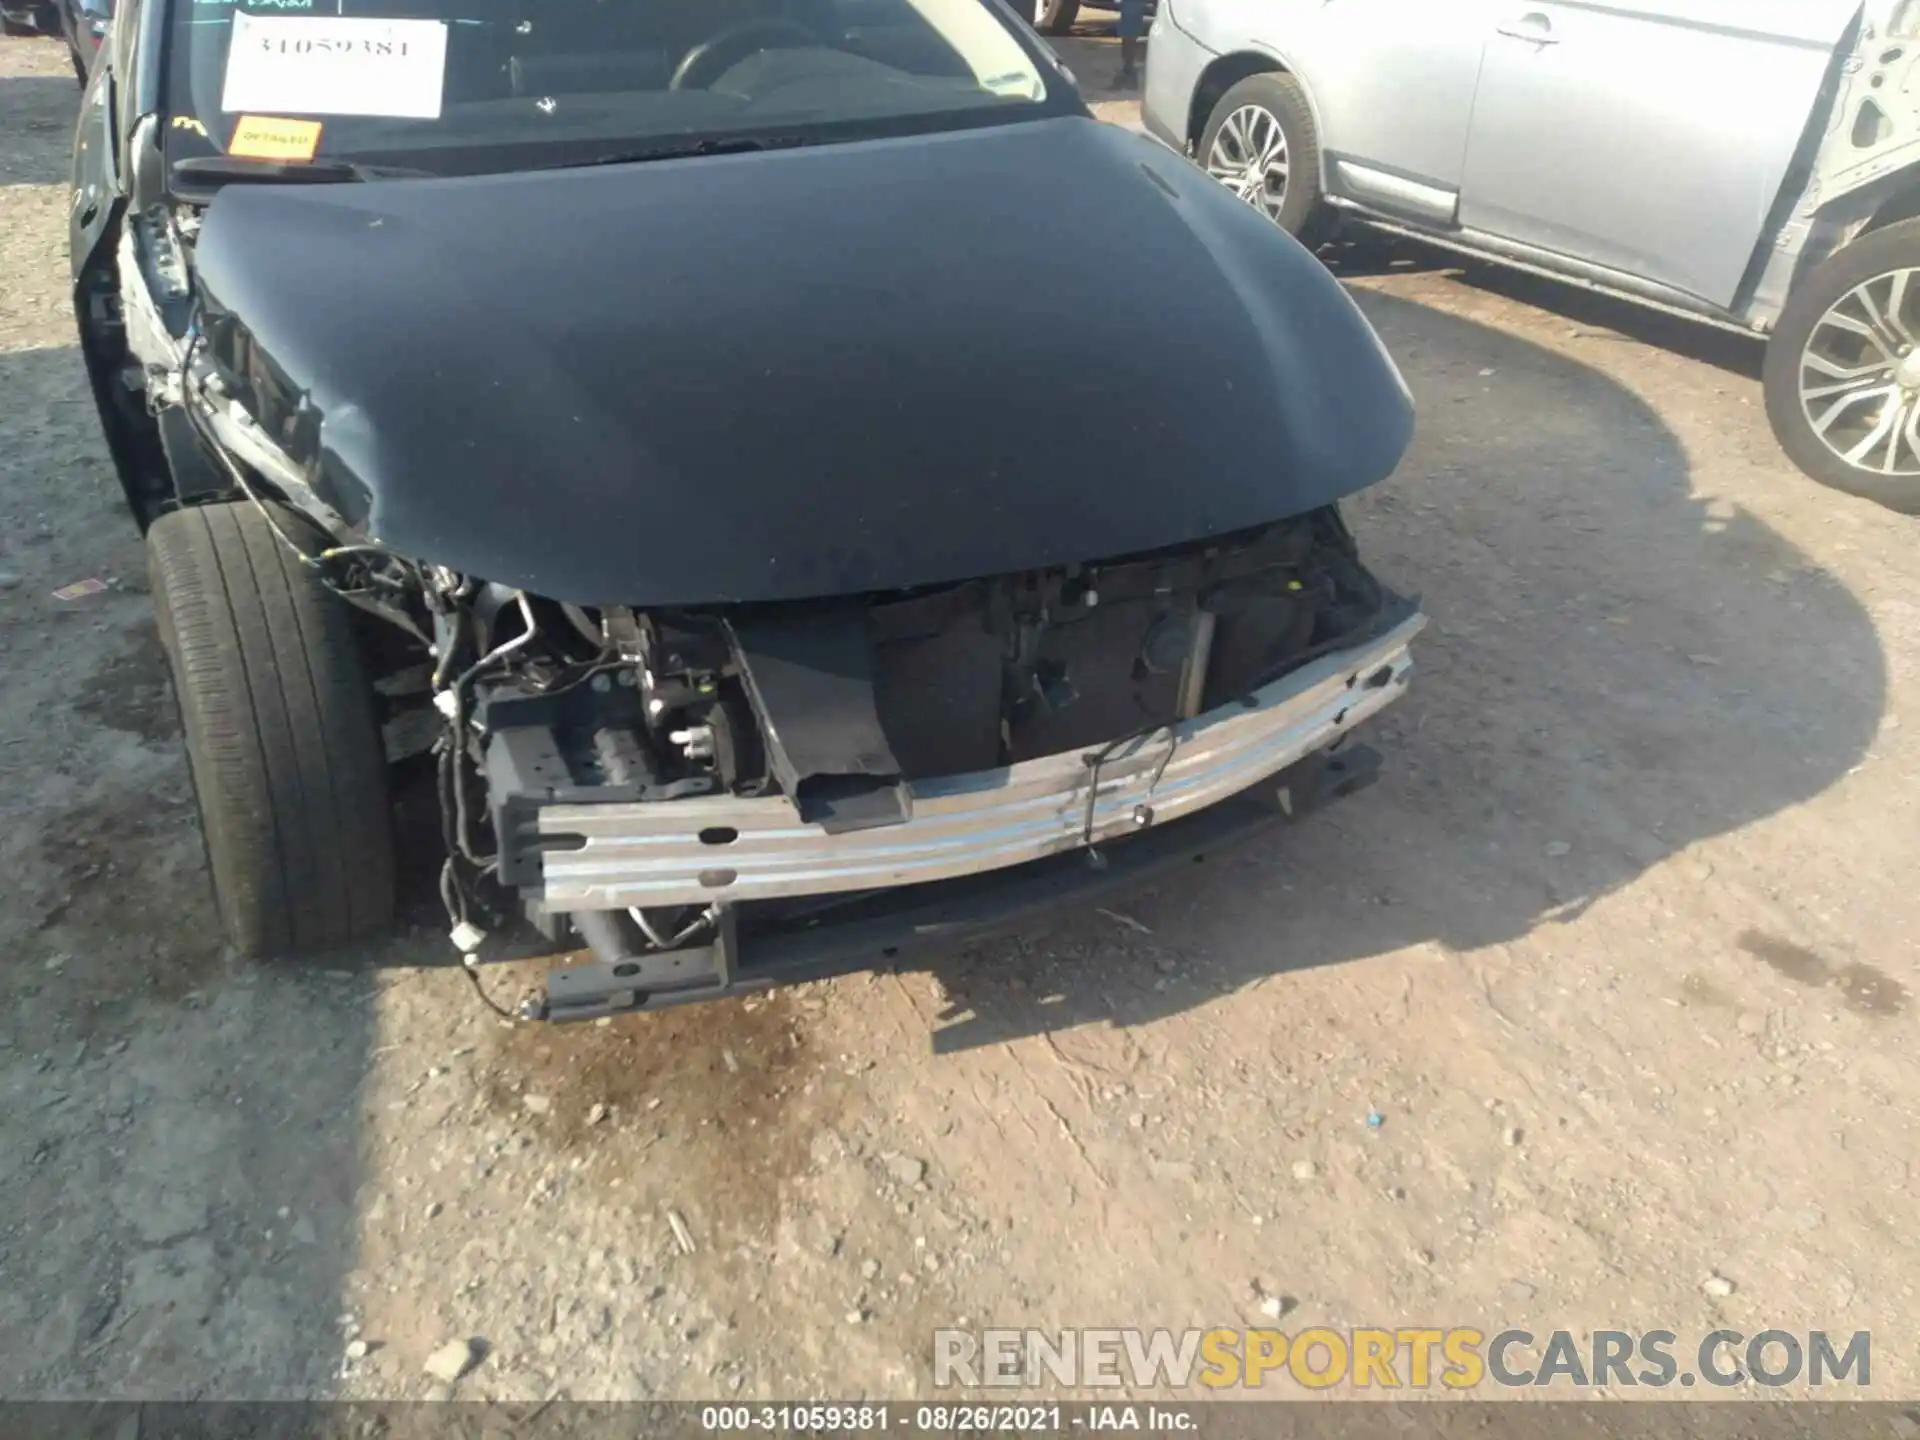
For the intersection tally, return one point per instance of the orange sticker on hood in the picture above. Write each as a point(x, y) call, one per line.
point(262, 138)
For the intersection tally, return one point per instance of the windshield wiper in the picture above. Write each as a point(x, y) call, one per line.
point(712, 145)
point(208, 171)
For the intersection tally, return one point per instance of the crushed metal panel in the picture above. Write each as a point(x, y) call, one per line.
point(1873, 129)
point(1869, 145)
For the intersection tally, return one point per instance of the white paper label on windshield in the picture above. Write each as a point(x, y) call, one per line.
point(335, 65)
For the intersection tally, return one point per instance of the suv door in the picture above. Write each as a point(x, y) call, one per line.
point(1650, 137)
point(1393, 82)
point(1390, 81)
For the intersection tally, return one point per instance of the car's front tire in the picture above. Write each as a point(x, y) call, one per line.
point(278, 714)
point(1842, 375)
point(1261, 143)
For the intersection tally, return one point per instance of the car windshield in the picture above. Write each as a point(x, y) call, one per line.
point(464, 84)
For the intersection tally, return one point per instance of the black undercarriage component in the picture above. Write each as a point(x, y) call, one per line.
point(196, 476)
point(937, 681)
point(626, 976)
point(809, 672)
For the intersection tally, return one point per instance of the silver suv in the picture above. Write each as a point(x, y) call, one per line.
point(1749, 162)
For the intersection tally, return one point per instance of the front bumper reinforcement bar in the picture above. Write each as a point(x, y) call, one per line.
point(733, 850)
point(927, 920)
point(981, 854)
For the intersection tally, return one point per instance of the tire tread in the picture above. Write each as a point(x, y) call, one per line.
point(280, 732)
point(1303, 214)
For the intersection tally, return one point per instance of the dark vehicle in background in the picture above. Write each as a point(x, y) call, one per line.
point(35, 17)
point(644, 419)
point(82, 24)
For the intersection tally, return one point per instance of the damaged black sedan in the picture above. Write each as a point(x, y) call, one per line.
point(677, 428)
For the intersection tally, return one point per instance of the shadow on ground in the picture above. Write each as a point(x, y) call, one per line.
point(1359, 251)
point(1614, 674)
point(36, 126)
point(180, 1146)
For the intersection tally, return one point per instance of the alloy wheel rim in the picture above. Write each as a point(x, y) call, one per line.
point(1860, 375)
point(1249, 157)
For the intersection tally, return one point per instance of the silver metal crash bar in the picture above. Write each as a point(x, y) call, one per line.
point(699, 850)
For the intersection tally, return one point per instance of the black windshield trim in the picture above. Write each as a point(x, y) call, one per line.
point(729, 144)
point(525, 157)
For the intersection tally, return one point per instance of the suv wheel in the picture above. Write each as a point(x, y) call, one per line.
point(278, 715)
point(1843, 370)
point(1260, 143)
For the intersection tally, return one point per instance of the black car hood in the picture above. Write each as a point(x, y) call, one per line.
point(804, 372)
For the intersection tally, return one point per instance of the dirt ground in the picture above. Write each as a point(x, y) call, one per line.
point(1621, 950)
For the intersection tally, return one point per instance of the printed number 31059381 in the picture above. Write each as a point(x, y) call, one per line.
point(281, 46)
point(335, 66)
